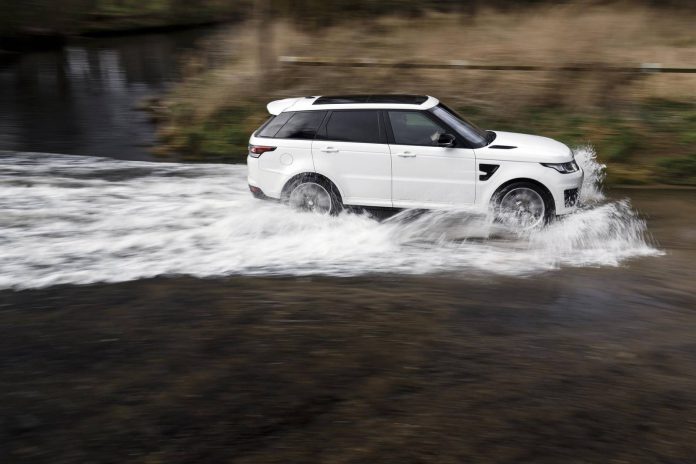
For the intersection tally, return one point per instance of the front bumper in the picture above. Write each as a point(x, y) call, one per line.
point(566, 192)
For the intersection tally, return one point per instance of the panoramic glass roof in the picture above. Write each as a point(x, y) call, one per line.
point(352, 99)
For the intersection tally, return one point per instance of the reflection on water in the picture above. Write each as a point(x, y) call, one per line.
point(81, 99)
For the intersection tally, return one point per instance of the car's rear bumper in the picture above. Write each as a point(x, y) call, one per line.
point(259, 174)
point(258, 193)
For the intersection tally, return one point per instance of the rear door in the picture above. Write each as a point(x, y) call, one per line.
point(350, 148)
point(425, 175)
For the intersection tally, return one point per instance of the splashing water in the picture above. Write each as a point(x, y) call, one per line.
point(73, 219)
point(591, 191)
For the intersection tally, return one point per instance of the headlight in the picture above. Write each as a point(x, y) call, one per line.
point(563, 168)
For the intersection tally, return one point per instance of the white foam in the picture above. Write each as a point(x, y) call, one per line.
point(591, 191)
point(70, 219)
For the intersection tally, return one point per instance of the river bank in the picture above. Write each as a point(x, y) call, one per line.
point(46, 25)
point(194, 94)
point(577, 365)
point(642, 124)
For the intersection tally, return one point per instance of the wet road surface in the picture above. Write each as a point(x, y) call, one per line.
point(576, 364)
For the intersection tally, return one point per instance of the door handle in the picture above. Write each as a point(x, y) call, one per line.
point(329, 150)
point(406, 154)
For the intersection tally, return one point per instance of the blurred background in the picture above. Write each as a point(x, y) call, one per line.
point(190, 79)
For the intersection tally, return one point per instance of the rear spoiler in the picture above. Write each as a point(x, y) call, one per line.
point(278, 106)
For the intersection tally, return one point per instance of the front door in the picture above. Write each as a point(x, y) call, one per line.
point(425, 175)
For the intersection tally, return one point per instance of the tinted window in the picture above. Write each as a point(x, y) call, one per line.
point(401, 99)
point(414, 128)
point(263, 126)
point(354, 126)
point(303, 125)
point(476, 136)
point(343, 99)
point(274, 124)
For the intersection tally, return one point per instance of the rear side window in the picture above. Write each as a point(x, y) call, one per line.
point(274, 124)
point(354, 126)
point(302, 125)
point(414, 128)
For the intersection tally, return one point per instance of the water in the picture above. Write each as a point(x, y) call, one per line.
point(75, 219)
point(83, 98)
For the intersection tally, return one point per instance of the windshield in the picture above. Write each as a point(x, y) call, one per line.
point(476, 136)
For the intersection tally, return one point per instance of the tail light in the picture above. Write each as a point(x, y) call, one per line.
point(257, 150)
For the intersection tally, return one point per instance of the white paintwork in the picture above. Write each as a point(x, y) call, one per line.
point(530, 148)
point(406, 176)
point(268, 171)
point(307, 104)
point(278, 106)
point(363, 170)
point(432, 177)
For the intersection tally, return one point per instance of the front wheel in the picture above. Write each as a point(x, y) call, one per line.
point(523, 205)
point(314, 196)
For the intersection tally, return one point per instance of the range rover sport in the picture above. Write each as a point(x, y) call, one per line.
point(405, 151)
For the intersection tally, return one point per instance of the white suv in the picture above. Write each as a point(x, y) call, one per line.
point(405, 151)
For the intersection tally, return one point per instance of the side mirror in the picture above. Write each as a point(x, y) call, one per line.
point(446, 140)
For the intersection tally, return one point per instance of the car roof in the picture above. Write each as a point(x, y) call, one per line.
point(394, 101)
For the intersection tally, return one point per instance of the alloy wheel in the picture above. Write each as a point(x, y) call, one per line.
point(311, 197)
point(522, 208)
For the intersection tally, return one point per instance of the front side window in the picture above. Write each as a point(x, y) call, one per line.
point(354, 126)
point(302, 125)
point(476, 137)
point(415, 128)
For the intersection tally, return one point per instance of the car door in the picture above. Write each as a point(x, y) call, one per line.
point(351, 150)
point(425, 175)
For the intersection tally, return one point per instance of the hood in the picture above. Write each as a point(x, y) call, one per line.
point(510, 146)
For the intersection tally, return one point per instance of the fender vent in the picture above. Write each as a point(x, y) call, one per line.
point(486, 171)
point(503, 147)
point(571, 197)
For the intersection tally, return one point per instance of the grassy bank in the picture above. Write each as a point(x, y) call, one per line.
point(643, 125)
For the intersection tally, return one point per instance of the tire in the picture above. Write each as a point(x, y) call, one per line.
point(311, 193)
point(523, 205)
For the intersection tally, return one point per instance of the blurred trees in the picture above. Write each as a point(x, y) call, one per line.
point(64, 17)
point(41, 16)
point(322, 13)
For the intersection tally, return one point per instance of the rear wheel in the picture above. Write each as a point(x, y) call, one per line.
point(523, 205)
point(314, 195)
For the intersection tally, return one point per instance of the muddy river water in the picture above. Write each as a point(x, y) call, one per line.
point(83, 97)
point(75, 219)
point(157, 313)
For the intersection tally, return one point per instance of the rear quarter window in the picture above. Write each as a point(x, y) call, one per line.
point(274, 124)
point(302, 125)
